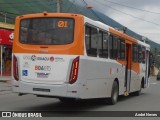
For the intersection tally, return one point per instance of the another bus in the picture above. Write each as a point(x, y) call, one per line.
point(69, 56)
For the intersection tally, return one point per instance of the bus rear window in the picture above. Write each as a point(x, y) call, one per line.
point(47, 31)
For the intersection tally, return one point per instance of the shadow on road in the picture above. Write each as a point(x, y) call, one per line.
point(79, 105)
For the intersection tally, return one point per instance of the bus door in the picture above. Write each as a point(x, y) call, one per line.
point(128, 69)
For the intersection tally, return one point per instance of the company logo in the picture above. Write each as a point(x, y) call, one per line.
point(51, 59)
point(43, 68)
point(43, 58)
point(33, 58)
point(43, 75)
point(6, 114)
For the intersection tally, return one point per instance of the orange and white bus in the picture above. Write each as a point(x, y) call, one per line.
point(69, 56)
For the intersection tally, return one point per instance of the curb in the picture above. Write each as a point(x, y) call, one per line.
point(5, 81)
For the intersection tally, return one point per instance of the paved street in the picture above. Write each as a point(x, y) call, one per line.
point(149, 100)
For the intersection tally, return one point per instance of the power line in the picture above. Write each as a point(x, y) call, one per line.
point(132, 7)
point(24, 5)
point(158, 33)
point(93, 12)
point(71, 5)
point(5, 12)
point(127, 13)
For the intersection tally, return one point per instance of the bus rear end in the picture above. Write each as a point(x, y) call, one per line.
point(46, 54)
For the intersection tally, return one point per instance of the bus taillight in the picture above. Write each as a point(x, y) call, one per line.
point(15, 68)
point(74, 70)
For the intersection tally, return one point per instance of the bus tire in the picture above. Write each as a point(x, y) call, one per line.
point(114, 93)
point(67, 100)
point(137, 93)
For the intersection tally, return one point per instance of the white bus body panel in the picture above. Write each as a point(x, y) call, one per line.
point(95, 77)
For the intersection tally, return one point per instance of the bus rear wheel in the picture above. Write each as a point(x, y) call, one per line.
point(114, 93)
point(137, 93)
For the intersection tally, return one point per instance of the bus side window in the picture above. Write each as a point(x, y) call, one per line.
point(111, 46)
point(91, 41)
point(100, 43)
point(105, 45)
point(143, 55)
point(115, 48)
point(135, 53)
point(139, 54)
point(88, 39)
point(121, 49)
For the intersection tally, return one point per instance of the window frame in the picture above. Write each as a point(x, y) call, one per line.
point(143, 55)
point(139, 53)
point(135, 52)
point(90, 39)
point(103, 33)
point(120, 43)
point(113, 41)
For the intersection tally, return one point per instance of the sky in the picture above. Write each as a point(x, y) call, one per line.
point(140, 16)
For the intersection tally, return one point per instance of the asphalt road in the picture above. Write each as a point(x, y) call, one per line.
point(149, 100)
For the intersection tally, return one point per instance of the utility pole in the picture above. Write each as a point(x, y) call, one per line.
point(59, 6)
point(4, 14)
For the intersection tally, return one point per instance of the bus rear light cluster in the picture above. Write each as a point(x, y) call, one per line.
point(15, 68)
point(74, 70)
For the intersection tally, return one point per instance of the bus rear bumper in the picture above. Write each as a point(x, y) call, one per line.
point(57, 91)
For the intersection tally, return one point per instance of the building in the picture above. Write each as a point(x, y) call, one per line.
point(6, 40)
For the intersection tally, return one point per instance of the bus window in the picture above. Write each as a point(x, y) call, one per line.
point(105, 45)
point(100, 44)
point(47, 31)
point(143, 55)
point(121, 49)
point(135, 53)
point(139, 54)
point(115, 47)
point(91, 41)
point(87, 39)
point(111, 46)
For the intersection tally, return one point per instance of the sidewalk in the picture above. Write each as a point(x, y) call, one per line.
point(5, 78)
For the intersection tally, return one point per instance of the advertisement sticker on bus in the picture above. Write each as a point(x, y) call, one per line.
point(42, 75)
point(43, 68)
